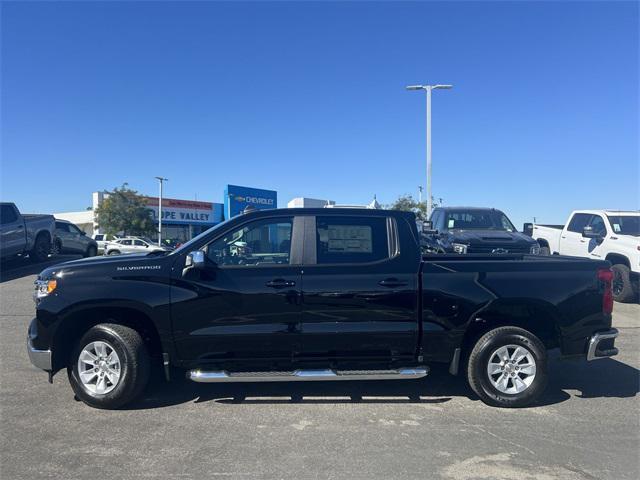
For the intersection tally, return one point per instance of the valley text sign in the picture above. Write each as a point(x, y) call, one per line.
point(190, 212)
point(237, 198)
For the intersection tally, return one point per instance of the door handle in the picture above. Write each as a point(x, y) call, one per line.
point(280, 283)
point(392, 283)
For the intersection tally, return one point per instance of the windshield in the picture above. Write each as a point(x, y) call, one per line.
point(477, 220)
point(187, 246)
point(625, 224)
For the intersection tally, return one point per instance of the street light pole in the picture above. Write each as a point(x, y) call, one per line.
point(428, 89)
point(161, 180)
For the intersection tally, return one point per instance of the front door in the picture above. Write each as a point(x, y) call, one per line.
point(359, 293)
point(246, 306)
point(571, 240)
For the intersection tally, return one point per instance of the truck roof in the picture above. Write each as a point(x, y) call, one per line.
point(610, 212)
point(469, 208)
point(329, 211)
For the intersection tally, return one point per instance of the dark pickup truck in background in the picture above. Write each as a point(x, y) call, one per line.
point(22, 234)
point(466, 230)
point(317, 294)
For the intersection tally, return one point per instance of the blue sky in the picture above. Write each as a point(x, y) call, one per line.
point(308, 99)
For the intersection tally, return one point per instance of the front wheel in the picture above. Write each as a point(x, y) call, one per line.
point(508, 367)
point(92, 251)
point(110, 366)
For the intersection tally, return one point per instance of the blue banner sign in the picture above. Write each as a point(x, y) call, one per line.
point(237, 198)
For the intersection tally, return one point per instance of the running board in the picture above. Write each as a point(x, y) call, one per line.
point(221, 376)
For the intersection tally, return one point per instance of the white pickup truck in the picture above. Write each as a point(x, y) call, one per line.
point(601, 235)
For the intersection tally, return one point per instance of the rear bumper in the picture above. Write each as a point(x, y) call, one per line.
point(601, 345)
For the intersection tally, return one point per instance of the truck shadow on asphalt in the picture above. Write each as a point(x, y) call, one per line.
point(603, 378)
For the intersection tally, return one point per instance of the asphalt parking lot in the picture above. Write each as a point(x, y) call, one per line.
point(587, 426)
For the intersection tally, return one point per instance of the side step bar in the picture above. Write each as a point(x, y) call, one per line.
point(221, 376)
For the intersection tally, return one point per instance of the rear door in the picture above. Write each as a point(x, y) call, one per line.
point(359, 291)
point(66, 238)
point(571, 240)
point(12, 233)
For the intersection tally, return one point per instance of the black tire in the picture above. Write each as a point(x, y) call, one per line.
point(113, 252)
point(57, 247)
point(479, 359)
point(41, 248)
point(92, 251)
point(545, 251)
point(134, 366)
point(623, 288)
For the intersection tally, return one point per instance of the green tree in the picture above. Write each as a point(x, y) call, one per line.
point(124, 211)
point(407, 203)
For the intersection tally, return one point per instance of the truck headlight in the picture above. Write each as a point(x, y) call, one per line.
point(535, 250)
point(44, 288)
point(459, 247)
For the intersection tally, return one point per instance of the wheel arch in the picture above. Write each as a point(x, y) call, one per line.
point(618, 258)
point(77, 323)
point(542, 242)
point(539, 318)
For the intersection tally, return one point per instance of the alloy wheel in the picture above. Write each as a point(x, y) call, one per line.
point(511, 369)
point(99, 367)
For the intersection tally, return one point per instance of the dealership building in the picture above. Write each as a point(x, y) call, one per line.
point(184, 219)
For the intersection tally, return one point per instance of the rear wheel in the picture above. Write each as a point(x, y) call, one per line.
point(623, 288)
point(113, 252)
point(545, 251)
point(109, 367)
point(508, 367)
point(41, 248)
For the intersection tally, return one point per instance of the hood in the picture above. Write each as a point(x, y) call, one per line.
point(98, 261)
point(488, 237)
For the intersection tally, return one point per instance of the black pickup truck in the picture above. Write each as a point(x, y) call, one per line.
point(475, 230)
point(317, 294)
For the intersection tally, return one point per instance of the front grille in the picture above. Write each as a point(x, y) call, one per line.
point(491, 248)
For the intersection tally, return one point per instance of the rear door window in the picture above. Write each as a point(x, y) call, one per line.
point(578, 222)
point(351, 239)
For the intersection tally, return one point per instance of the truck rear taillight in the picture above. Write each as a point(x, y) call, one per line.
point(605, 275)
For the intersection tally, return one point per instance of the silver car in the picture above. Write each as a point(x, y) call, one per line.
point(132, 245)
point(102, 239)
point(70, 239)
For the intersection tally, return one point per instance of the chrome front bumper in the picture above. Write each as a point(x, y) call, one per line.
point(39, 358)
point(594, 351)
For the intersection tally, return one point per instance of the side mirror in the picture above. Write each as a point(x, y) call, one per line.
point(83, 233)
point(588, 232)
point(427, 228)
point(195, 260)
point(527, 229)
